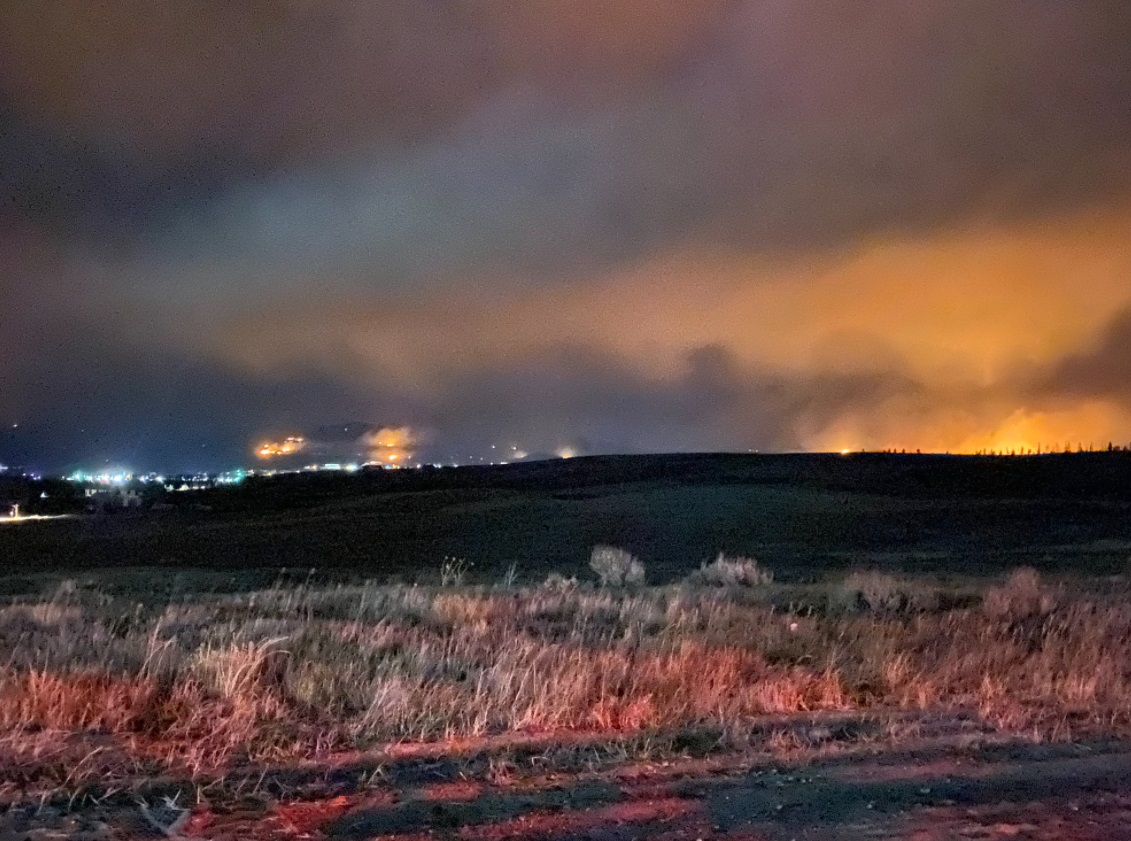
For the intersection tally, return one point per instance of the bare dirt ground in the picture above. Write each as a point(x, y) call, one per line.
point(1006, 790)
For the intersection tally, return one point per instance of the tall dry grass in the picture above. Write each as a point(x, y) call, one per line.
point(300, 671)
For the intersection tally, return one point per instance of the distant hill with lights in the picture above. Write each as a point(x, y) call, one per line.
point(799, 514)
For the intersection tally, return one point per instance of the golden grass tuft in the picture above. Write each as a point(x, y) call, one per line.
point(84, 701)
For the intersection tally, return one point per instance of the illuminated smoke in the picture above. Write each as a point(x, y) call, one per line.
point(392, 446)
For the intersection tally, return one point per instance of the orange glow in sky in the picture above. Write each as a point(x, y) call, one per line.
point(967, 315)
point(391, 445)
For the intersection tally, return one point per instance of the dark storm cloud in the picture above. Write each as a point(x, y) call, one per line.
point(295, 84)
point(273, 81)
point(74, 186)
point(420, 134)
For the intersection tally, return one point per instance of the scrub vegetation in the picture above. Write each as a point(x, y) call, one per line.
point(97, 685)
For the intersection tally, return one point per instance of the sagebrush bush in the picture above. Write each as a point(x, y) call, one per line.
point(880, 593)
point(1022, 596)
point(616, 567)
point(556, 582)
point(732, 571)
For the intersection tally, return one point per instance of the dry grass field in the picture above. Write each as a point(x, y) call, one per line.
point(98, 692)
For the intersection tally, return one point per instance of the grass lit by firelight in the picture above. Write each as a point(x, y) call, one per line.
point(203, 683)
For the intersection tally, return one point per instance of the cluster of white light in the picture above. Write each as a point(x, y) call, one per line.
point(199, 481)
point(116, 478)
point(335, 467)
point(122, 477)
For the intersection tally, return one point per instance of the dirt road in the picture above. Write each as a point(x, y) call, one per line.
point(1047, 793)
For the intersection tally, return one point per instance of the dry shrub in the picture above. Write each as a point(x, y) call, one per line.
point(728, 571)
point(239, 671)
point(616, 567)
point(1022, 596)
point(460, 608)
point(883, 594)
point(556, 582)
point(453, 571)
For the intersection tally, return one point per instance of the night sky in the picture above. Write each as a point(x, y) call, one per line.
point(632, 225)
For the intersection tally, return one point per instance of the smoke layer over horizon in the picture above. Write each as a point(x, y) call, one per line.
point(626, 225)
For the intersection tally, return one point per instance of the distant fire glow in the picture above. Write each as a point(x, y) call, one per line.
point(287, 447)
point(1091, 425)
point(391, 446)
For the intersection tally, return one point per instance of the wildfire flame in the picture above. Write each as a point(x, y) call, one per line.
point(286, 447)
point(391, 446)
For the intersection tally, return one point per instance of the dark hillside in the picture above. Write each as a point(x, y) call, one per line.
point(802, 514)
